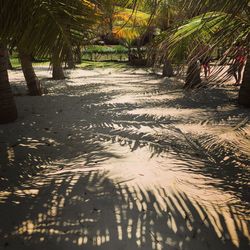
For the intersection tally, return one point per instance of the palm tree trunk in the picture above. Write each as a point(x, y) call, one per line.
point(9, 63)
point(167, 69)
point(193, 78)
point(32, 81)
point(244, 94)
point(70, 59)
point(57, 70)
point(8, 110)
point(78, 54)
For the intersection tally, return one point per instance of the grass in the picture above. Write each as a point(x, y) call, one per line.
point(103, 64)
point(84, 65)
point(94, 56)
point(105, 49)
point(16, 63)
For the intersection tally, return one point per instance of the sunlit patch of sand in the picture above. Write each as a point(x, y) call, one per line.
point(119, 172)
point(4, 195)
point(172, 112)
point(123, 99)
point(224, 133)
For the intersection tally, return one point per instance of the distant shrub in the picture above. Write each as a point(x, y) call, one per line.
point(104, 49)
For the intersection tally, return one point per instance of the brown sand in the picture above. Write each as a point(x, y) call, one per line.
point(122, 159)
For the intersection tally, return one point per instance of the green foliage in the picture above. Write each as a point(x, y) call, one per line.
point(105, 49)
point(93, 65)
point(211, 23)
point(39, 27)
point(129, 25)
point(15, 62)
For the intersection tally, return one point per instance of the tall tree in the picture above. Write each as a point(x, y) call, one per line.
point(32, 81)
point(57, 70)
point(218, 24)
point(244, 94)
point(8, 110)
point(37, 27)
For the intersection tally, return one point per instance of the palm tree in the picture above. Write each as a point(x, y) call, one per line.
point(167, 13)
point(37, 27)
point(244, 94)
point(167, 70)
point(216, 24)
point(32, 81)
point(8, 110)
point(131, 28)
point(57, 70)
point(109, 11)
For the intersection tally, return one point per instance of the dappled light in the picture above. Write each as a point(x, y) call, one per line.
point(124, 125)
point(88, 209)
point(123, 159)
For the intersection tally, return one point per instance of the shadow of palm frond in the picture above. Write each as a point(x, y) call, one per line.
point(97, 122)
point(86, 209)
point(226, 157)
point(224, 154)
point(72, 203)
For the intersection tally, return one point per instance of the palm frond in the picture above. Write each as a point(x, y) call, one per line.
point(40, 27)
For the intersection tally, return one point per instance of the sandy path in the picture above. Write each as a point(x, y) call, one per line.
point(124, 160)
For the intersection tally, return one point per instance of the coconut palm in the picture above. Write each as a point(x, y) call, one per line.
point(39, 28)
point(8, 110)
point(110, 10)
point(33, 84)
point(244, 94)
point(217, 24)
point(126, 23)
point(133, 32)
point(167, 13)
point(57, 70)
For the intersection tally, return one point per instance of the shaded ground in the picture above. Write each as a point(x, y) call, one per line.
point(123, 159)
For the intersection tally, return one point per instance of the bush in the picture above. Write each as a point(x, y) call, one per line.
point(103, 49)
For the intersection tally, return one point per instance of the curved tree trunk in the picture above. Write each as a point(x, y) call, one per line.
point(32, 81)
point(8, 110)
point(9, 65)
point(167, 69)
point(193, 78)
point(57, 70)
point(244, 94)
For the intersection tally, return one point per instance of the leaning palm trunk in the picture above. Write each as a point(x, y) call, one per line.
point(32, 81)
point(167, 69)
point(244, 95)
point(9, 65)
point(8, 110)
point(193, 78)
